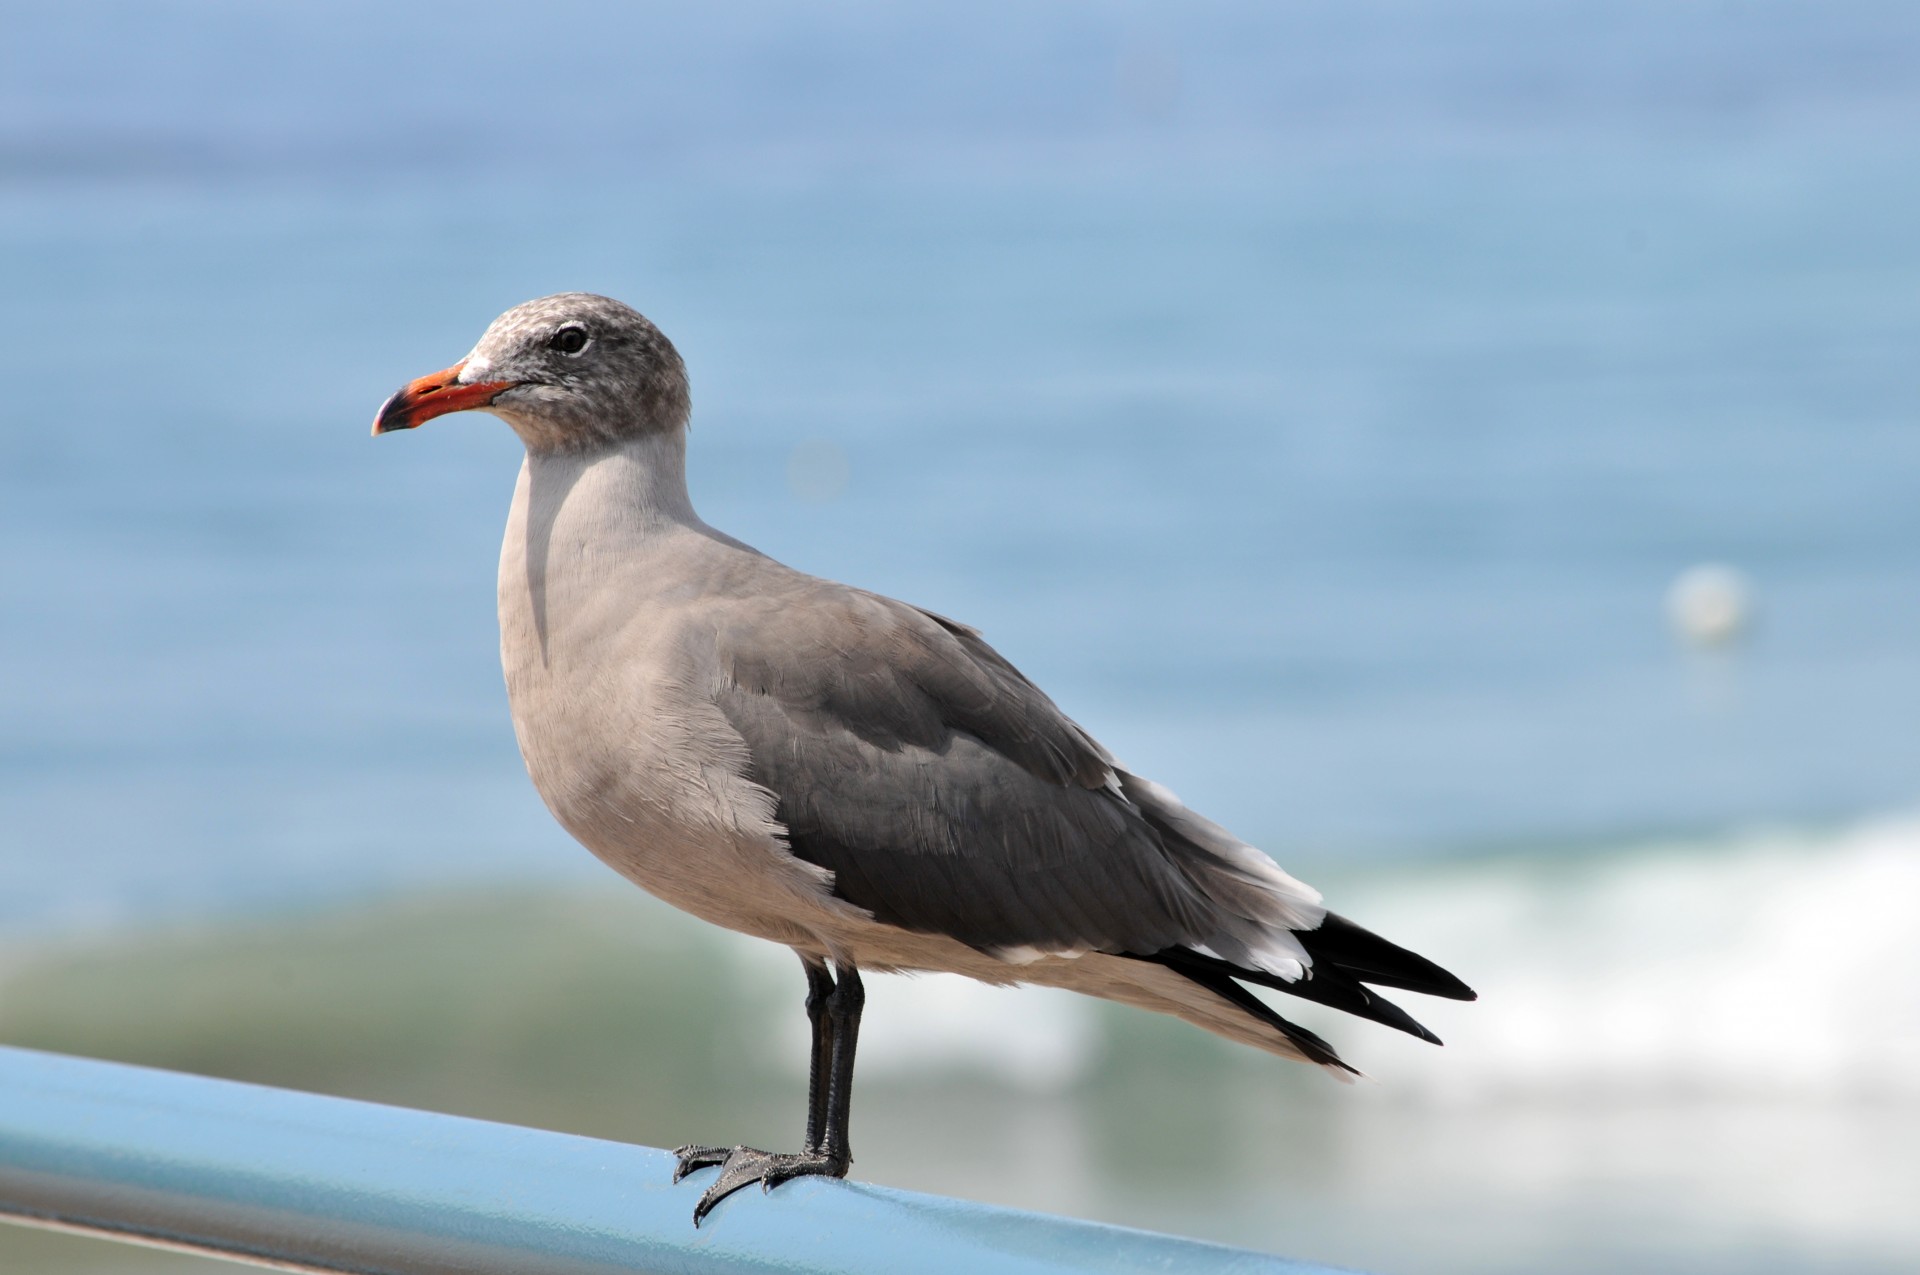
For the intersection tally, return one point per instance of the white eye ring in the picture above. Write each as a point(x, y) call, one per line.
point(570, 340)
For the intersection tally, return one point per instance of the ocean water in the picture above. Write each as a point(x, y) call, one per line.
point(1320, 408)
point(1343, 512)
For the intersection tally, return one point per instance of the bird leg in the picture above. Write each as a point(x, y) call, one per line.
point(843, 1015)
point(833, 1011)
point(820, 1061)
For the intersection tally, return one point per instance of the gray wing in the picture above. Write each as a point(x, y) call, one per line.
point(947, 794)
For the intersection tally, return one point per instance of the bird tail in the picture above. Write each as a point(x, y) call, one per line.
point(1346, 957)
point(1272, 930)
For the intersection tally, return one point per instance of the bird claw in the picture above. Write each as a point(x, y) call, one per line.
point(690, 1158)
point(742, 1166)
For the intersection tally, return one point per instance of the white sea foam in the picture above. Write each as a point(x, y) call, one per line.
point(1768, 964)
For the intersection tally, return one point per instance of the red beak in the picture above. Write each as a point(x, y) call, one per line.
point(435, 395)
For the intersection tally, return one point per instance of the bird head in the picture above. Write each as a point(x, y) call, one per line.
point(570, 372)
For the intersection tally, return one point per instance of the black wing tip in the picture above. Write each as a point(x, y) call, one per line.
point(1218, 977)
point(1442, 984)
point(1321, 986)
point(1421, 1031)
point(1346, 994)
point(1359, 953)
point(1344, 957)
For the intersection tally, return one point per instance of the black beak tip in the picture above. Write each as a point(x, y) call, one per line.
point(392, 415)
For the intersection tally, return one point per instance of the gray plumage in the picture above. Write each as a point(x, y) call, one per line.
point(847, 774)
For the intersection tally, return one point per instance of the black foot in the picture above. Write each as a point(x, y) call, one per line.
point(740, 1166)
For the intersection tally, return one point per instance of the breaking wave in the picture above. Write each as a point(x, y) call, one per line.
point(1771, 963)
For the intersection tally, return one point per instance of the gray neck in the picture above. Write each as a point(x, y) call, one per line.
point(637, 484)
point(575, 507)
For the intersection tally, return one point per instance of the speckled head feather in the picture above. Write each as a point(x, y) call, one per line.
point(586, 372)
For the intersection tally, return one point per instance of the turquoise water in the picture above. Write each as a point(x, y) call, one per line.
point(1319, 406)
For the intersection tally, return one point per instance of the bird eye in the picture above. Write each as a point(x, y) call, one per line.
point(569, 340)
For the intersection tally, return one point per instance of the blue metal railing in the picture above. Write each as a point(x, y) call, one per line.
point(307, 1183)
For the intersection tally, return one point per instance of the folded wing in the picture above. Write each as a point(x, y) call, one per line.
point(948, 795)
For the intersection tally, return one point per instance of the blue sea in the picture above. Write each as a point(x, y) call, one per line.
point(1319, 402)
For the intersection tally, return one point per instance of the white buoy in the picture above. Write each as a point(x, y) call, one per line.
point(1710, 604)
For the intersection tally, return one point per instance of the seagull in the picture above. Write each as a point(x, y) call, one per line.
point(864, 781)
